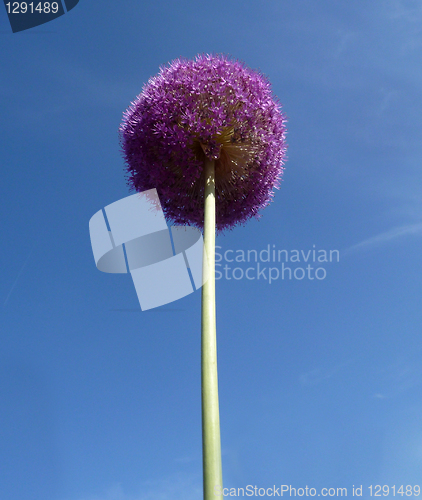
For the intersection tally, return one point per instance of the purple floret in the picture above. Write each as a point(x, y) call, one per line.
point(210, 107)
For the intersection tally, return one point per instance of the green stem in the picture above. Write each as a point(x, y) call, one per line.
point(211, 447)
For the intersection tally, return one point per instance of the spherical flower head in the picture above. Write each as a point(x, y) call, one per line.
point(211, 107)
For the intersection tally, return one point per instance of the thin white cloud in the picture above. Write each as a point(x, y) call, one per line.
point(387, 236)
point(174, 487)
point(409, 11)
point(18, 276)
point(315, 377)
point(378, 395)
point(347, 39)
point(397, 378)
point(388, 96)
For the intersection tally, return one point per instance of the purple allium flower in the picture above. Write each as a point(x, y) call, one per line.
point(210, 107)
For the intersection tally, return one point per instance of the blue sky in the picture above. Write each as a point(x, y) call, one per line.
point(320, 380)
